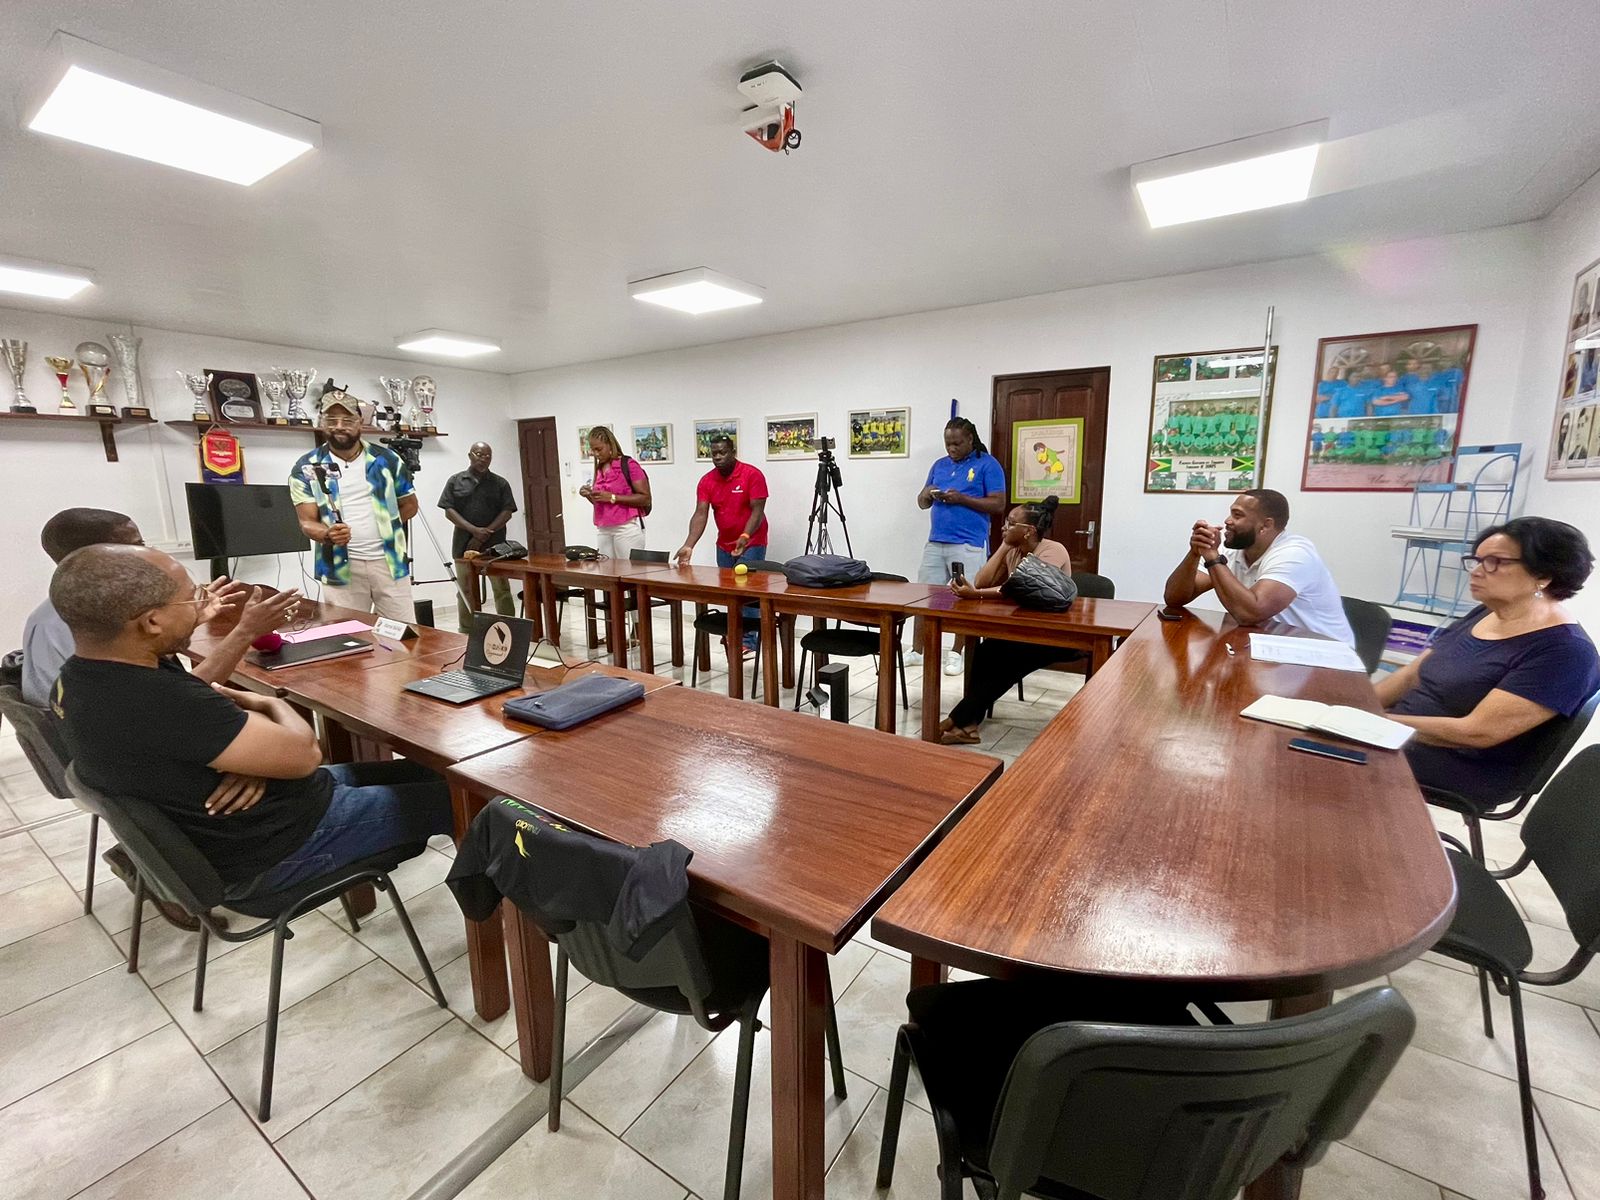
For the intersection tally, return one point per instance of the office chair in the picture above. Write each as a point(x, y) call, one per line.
point(708, 625)
point(1131, 1112)
point(39, 733)
point(601, 604)
point(1371, 623)
point(172, 868)
point(858, 641)
point(1090, 587)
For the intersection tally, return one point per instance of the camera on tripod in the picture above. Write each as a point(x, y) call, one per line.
point(408, 448)
point(827, 466)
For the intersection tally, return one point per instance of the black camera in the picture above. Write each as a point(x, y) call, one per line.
point(825, 445)
point(408, 448)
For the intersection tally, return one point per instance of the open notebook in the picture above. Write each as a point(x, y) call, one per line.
point(1337, 719)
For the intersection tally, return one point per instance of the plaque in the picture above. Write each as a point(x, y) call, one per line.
point(235, 397)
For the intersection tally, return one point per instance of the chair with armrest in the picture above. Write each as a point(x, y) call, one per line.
point(171, 868)
point(714, 623)
point(1371, 624)
point(851, 639)
point(38, 732)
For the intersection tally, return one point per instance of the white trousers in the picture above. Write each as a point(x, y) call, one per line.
point(614, 541)
point(371, 589)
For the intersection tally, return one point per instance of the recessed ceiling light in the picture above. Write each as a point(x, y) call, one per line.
point(29, 278)
point(442, 341)
point(101, 98)
point(697, 291)
point(1235, 177)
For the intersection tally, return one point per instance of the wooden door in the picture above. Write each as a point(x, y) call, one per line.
point(1052, 395)
point(541, 485)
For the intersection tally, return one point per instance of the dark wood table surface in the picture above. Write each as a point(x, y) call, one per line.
point(800, 828)
point(544, 573)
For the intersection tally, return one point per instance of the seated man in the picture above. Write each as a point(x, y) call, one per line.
point(237, 773)
point(1267, 573)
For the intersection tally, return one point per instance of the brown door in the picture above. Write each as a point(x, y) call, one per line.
point(1059, 395)
point(541, 485)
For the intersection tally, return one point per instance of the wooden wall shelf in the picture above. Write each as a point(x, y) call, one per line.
point(108, 437)
point(254, 426)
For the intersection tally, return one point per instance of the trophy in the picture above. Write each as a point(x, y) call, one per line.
point(15, 352)
point(295, 384)
point(399, 390)
point(200, 385)
point(126, 348)
point(274, 388)
point(63, 369)
point(94, 360)
point(425, 391)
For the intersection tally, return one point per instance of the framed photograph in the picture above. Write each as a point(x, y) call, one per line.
point(1575, 430)
point(583, 440)
point(235, 397)
point(1047, 460)
point(880, 433)
point(1208, 421)
point(792, 436)
point(704, 431)
point(652, 443)
point(1386, 409)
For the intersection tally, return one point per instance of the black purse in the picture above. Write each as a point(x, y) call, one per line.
point(1036, 584)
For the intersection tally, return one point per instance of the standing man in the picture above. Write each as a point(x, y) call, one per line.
point(353, 500)
point(1266, 573)
point(479, 504)
point(737, 493)
point(965, 489)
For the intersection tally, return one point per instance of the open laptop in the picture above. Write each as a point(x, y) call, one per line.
point(296, 654)
point(497, 656)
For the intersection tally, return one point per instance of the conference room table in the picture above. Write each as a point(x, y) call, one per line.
point(1151, 836)
point(799, 829)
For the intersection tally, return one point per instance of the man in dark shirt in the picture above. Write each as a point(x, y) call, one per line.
point(237, 773)
point(479, 504)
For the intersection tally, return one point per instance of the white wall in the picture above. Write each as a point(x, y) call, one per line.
point(48, 467)
point(925, 359)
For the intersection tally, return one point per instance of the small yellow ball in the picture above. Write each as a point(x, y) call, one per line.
point(741, 569)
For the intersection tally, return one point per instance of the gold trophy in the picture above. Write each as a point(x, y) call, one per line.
point(94, 360)
point(63, 369)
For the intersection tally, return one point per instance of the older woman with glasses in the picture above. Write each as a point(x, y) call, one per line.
point(1478, 696)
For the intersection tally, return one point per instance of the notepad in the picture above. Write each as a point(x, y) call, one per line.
point(1338, 719)
point(1305, 652)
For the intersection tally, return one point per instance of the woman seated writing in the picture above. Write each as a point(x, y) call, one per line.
point(1478, 697)
point(997, 664)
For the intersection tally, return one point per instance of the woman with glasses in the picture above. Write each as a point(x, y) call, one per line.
point(998, 664)
point(1478, 696)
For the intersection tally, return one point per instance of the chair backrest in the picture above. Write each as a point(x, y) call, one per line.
point(1562, 834)
point(40, 735)
point(1154, 1113)
point(166, 859)
point(651, 556)
point(1370, 623)
point(1549, 749)
point(1095, 587)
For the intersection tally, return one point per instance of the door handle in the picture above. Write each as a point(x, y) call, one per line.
point(1090, 532)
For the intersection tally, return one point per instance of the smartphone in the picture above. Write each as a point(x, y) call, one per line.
point(1307, 746)
point(958, 572)
point(1170, 614)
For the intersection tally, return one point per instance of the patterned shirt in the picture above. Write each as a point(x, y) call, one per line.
point(390, 482)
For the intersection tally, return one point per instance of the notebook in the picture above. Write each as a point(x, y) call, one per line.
point(1337, 719)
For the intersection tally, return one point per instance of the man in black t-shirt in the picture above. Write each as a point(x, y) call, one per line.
point(479, 504)
point(237, 773)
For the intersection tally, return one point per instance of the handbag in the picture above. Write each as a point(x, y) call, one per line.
point(574, 703)
point(1036, 584)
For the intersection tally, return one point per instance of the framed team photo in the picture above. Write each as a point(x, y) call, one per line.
point(705, 430)
point(1575, 430)
point(1208, 421)
point(791, 436)
point(652, 443)
point(880, 433)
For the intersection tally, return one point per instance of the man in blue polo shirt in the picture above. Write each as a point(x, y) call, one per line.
point(965, 489)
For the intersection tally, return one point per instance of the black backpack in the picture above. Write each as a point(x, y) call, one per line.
point(628, 475)
point(826, 571)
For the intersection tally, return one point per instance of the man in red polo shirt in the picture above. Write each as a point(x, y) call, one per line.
point(737, 493)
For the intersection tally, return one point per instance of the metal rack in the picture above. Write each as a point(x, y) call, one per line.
point(1446, 519)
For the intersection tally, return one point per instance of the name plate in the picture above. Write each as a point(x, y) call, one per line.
point(397, 631)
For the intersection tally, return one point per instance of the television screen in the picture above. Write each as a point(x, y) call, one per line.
point(237, 520)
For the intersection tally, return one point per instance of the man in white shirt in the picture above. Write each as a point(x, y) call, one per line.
point(1267, 572)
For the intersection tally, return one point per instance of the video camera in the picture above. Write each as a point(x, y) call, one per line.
point(408, 448)
point(827, 465)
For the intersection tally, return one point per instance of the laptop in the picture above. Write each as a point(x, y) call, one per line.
point(497, 656)
point(297, 654)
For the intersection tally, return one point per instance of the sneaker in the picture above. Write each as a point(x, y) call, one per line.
point(953, 663)
point(913, 658)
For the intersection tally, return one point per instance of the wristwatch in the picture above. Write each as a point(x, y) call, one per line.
point(1212, 563)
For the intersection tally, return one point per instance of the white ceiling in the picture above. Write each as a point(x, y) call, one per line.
point(506, 168)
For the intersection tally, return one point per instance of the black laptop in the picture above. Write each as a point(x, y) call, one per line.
point(297, 654)
point(497, 656)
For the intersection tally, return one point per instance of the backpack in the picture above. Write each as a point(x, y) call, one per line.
point(628, 475)
point(826, 571)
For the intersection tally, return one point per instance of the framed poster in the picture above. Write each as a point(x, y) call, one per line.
point(792, 436)
point(652, 443)
point(235, 397)
point(704, 431)
point(1386, 409)
point(880, 433)
point(583, 440)
point(1208, 421)
point(1575, 431)
point(1047, 460)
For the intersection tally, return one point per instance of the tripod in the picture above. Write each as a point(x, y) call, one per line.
point(825, 500)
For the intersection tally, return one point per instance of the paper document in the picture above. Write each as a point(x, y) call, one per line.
point(1305, 652)
point(322, 631)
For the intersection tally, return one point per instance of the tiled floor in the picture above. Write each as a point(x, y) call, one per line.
point(111, 1087)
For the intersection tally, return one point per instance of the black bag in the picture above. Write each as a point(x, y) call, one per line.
point(826, 571)
point(1036, 584)
point(508, 550)
point(628, 475)
point(574, 703)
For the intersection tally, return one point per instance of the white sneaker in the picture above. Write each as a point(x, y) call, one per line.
point(953, 663)
point(914, 657)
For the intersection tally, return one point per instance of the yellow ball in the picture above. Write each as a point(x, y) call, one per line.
point(741, 569)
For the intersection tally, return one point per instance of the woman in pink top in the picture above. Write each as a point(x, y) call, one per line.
point(620, 494)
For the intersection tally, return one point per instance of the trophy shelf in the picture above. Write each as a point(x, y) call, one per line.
point(253, 426)
point(108, 437)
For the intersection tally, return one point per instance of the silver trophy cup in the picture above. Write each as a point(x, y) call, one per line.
point(274, 388)
point(126, 349)
point(94, 360)
point(200, 385)
point(399, 390)
point(425, 391)
point(295, 384)
point(15, 353)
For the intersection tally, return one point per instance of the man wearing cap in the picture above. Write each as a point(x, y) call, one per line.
point(353, 499)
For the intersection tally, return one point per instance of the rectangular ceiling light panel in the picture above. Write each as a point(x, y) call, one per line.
point(101, 98)
point(696, 291)
point(443, 342)
point(1235, 177)
point(28, 278)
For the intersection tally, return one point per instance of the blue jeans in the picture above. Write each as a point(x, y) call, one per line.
point(376, 806)
point(751, 613)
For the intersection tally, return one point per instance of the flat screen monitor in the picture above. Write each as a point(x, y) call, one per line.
point(238, 520)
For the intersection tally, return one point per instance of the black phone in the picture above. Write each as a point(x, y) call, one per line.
point(1307, 746)
point(958, 572)
point(1170, 614)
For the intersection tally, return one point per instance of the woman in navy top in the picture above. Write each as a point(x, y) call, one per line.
point(1479, 696)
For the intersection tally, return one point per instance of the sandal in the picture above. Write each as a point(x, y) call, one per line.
point(960, 737)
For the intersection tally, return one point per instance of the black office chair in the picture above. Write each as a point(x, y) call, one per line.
point(602, 603)
point(171, 867)
point(1561, 836)
point(852, 639)
point(1370, 623)
point(1132, 1112)
point(1090, 587)
point(708, 625)
point(39, 733)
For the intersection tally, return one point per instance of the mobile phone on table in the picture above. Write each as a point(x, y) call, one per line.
point(1307, 746)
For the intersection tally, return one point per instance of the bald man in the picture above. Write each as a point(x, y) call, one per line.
point(479, 504)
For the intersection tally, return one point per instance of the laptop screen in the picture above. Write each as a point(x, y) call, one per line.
point(499, 646)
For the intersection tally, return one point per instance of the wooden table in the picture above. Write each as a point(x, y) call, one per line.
point(1151, 835)
point(799, 829)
